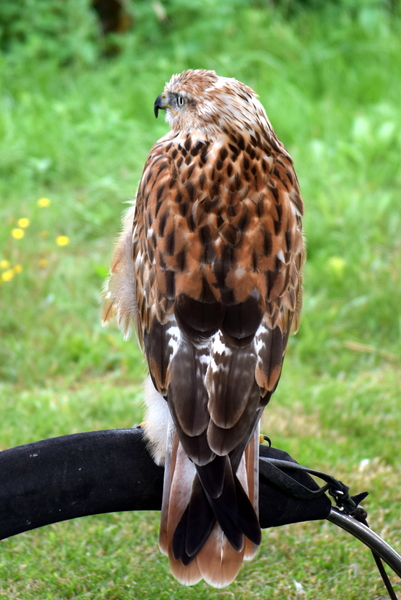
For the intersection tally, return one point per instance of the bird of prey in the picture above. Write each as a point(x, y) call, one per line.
point(208, 271)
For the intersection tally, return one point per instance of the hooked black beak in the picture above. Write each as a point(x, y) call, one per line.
point(158, 104)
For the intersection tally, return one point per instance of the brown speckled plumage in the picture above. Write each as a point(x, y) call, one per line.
point(208, 270)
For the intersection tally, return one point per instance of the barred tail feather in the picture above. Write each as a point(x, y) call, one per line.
point(252, 476)
point(218, 562)
point(207, 528)
point(179, 477)
point(169, 469)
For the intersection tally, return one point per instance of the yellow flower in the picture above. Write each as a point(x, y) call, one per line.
point(42, 263)
point(4, 264)
point(17, 233)
point(62, 240)
point(24, 222)
point(336, 264)
point(7, 275)
point(43, 202)
point(18, 268)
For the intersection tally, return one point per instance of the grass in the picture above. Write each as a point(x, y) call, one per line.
point(78, 136)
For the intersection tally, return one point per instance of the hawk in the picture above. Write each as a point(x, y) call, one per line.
point(208, 271)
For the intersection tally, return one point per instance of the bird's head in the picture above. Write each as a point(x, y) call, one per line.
point(201, 101)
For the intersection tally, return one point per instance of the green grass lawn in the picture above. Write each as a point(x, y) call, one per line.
point(77, 134)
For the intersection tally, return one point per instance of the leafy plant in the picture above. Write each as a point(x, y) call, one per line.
point(37, 30)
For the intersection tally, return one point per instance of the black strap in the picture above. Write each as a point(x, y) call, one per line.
point(271, 469)
point(360, 515)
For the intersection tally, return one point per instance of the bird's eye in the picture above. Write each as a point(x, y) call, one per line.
point(180, 101)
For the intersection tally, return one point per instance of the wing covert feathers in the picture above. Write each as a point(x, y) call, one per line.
point(208, 270)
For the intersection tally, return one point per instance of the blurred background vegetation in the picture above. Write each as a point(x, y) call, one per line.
point(78, 81)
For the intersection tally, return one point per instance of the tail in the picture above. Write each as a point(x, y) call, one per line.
point(209, 522)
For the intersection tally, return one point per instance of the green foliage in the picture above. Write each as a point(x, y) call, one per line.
point(36, 30)
point(76, 129)
point(69, 32)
